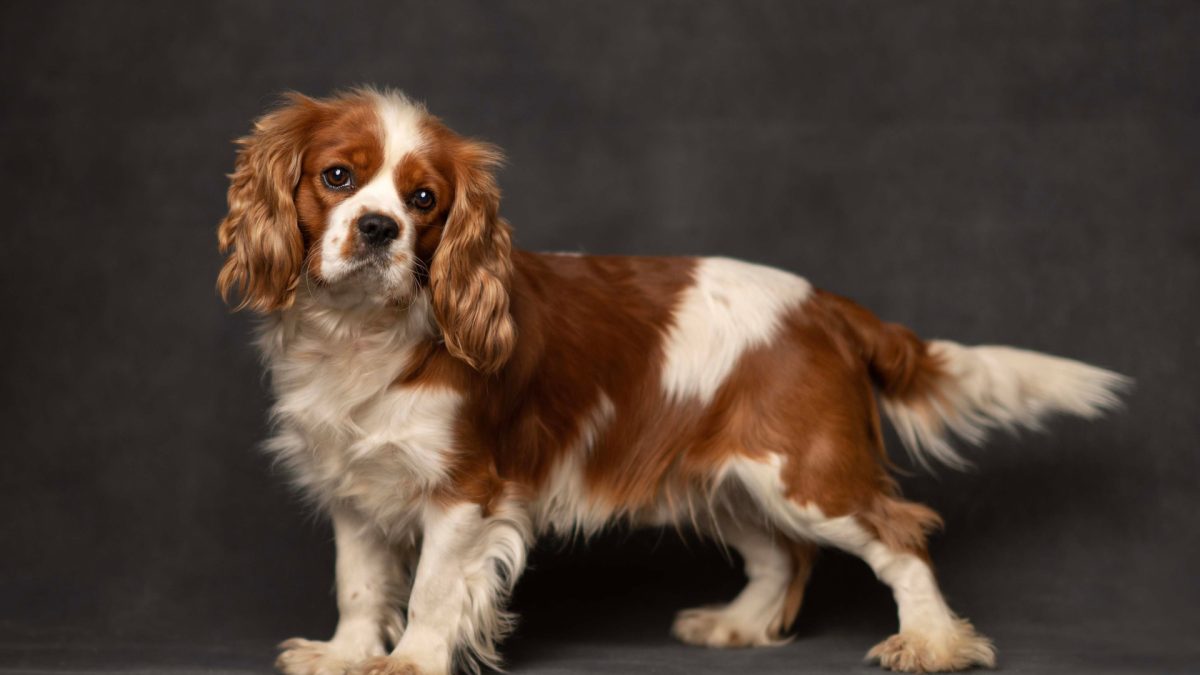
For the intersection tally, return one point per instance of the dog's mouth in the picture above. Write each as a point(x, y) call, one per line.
point(367, 262)
point(387, 273)
point(370, 261)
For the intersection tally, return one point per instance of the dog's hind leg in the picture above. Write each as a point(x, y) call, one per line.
point(931, 637)
point(889, 535)
point(777, 570)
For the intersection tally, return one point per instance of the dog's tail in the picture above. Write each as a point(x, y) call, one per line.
point(934, 389)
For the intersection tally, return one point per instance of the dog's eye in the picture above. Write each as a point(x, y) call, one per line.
point(422, 199)
point(338, 177)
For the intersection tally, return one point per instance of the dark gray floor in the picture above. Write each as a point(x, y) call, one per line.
point(1028, 650)
point(1025, 648)
point(581, 614)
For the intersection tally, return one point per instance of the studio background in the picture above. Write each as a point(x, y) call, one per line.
point(1022, 173)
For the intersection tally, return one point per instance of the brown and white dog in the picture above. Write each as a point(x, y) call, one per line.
point(447, 399)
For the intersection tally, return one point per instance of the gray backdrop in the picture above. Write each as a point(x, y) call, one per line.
point(1013, 172)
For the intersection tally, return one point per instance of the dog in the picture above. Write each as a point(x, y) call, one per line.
point(446, 399)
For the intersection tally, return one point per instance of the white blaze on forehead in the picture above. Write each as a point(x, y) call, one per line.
point(400, 123)
point(400, 119)
point(731, 307)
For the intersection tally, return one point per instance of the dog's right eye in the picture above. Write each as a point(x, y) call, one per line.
point(337, 177)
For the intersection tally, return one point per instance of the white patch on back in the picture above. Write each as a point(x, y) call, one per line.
point(732, 307)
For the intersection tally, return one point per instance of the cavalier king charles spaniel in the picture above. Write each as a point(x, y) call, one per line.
point(447, 399)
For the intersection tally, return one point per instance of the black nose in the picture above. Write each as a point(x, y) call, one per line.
point(377, 229)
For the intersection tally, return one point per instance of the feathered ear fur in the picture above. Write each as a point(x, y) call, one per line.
point(261, 233)
point(471, 269)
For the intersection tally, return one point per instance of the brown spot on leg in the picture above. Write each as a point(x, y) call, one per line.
point(804, 555)
point(901, 525)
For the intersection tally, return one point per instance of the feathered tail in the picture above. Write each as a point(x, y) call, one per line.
point(932, 390)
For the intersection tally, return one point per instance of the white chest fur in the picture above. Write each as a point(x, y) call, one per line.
point(345, 430)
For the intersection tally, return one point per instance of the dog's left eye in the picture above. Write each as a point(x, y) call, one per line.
point(338, 177)
point(422, 199)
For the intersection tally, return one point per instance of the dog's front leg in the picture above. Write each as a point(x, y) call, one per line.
point(469, 563)
point(370, 584)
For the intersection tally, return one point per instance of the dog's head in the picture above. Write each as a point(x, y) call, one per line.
point(369, 194)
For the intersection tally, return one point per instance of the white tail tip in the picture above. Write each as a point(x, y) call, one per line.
point(998, 387)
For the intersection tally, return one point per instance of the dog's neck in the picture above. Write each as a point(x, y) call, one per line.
point(342, 313)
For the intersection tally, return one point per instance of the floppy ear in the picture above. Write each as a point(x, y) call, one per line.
point(472, 266)
point(261, 233)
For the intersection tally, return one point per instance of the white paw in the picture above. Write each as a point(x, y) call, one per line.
point(720, 627)
point(958, 648)
point(311, 657)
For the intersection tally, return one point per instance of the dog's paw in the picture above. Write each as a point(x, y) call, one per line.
point(390, 665)
point(959, 648)
point(720, 627)
point(298, 656)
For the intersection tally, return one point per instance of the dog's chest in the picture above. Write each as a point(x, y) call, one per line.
point(348, 432)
